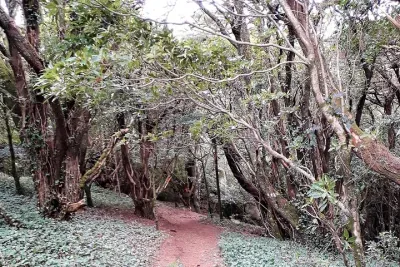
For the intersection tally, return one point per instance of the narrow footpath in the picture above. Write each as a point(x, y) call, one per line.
point(190, 243)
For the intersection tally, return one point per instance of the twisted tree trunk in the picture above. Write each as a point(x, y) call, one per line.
point(55, 158)
point(140, 189)
point(284, 217)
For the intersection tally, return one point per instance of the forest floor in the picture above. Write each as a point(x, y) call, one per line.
point(111, 235)
point(107, 235)
point(190, 242)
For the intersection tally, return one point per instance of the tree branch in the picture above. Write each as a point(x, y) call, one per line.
point(27, 51)
point(217, 21)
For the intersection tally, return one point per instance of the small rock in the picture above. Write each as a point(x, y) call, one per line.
point(235, 221)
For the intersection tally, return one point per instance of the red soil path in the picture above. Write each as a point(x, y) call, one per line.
point(190, 243)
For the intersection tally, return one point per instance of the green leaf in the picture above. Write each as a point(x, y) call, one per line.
point(346, 234)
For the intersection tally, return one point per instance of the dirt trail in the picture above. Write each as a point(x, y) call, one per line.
point(191, 243)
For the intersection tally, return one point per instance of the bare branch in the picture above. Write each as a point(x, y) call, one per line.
point(27, 51)
point(217, 21)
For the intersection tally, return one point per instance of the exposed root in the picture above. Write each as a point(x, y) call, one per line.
point(10, 221)
point(73, 207)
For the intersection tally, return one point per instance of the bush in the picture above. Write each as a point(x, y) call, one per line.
point(387, 247)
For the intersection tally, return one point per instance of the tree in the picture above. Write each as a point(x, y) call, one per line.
point(58, 155)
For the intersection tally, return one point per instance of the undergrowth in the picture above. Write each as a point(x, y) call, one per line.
point(89, 239)
point(107, 198)
point(240, 250)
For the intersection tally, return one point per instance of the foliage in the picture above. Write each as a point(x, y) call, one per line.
point(95, 50)
point(91, 238)
point(101, 56)
point(240, 250)
point(386, 247)
point(323, 189)
point(109, 199)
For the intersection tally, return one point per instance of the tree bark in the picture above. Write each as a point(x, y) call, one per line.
point(368, 72)
point(351, 203)
point(88, 194)
point(144, 206)
point(203, 166)
point(193, 177)
point(391, 134)
point(375, 155)
point(23, 46)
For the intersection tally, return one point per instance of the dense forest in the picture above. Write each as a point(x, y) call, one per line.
point(280, 114)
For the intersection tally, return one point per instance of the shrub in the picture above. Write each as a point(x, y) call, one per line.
point(387, 247)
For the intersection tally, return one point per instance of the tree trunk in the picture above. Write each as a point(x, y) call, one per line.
point(55, 158)
point(57, 174)
point(203, 166)
point(360, 107)
point(14, 172)
point(391, 135)
point(351, 202)
point(217, 177)
point(282, 213)
point(88, 193)
point(358, 248)
point(373, 153)
point(19, 74)
point(368, 72)
point(196, 192)
point(193, 176)
point(72, 189)
point(144, 195)
point(144, 208)
point(141, 190)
